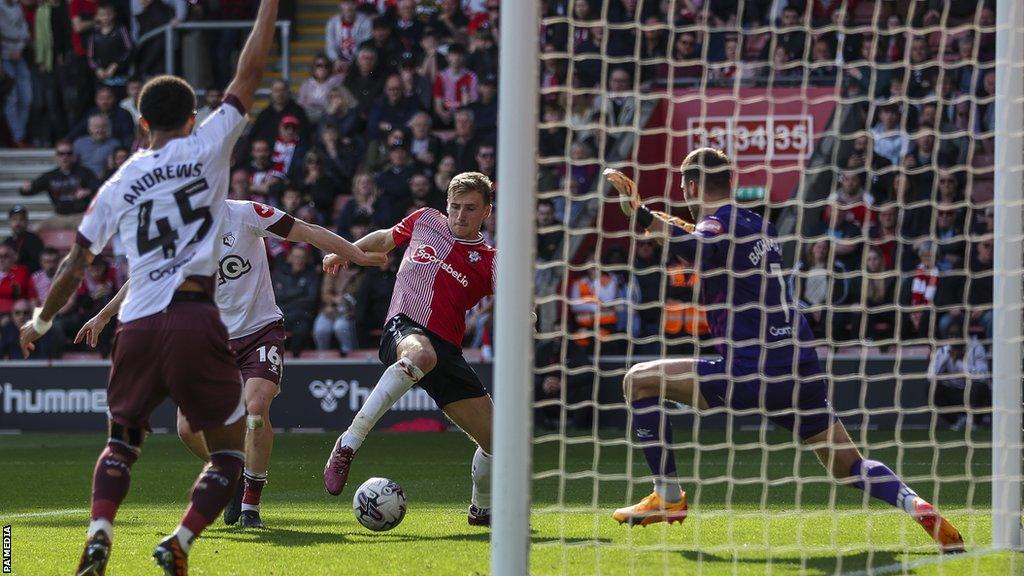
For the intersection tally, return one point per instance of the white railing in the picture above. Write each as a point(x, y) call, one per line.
point(169, 30)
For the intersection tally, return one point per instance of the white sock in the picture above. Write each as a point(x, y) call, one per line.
point(668, 489)
point(184, 536)
point(101, 525)
point(481, 479)
point(393, 384)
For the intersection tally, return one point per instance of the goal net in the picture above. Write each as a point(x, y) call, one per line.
point(867, 133)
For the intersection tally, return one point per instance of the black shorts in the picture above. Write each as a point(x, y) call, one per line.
point(451, 380)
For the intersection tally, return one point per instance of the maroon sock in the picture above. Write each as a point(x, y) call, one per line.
point(111, 478)
point(254, 483)
point(213, 490)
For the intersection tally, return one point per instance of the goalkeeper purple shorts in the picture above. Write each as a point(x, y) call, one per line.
point(797, 402)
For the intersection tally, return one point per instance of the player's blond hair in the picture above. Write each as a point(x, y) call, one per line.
point(710, 168)
point(471, 182)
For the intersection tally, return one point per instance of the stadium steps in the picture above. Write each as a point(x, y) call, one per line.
point(17, 166)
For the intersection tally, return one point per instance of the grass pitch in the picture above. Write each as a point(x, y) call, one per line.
point(45, 499)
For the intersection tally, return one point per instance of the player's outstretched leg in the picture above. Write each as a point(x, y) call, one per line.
point(838, 453)
point(475, 416)
point(259, 443)
point(416, 358)
point(211, 492)
point(643, 388)
point(110, 482)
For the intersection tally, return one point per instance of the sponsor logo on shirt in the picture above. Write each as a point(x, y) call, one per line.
point(232, 267)
point(426, 254)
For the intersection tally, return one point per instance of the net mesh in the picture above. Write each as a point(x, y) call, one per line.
point(864, 132)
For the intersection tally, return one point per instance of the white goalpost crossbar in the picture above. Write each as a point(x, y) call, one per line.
point(1007, 296)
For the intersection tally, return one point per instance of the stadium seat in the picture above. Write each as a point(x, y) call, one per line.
point(58, 239)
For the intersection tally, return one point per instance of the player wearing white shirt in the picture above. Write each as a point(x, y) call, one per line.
point(167, 204)
point(245, 297)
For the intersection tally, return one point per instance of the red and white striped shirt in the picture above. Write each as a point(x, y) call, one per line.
point(441, 276)
point(457, 90)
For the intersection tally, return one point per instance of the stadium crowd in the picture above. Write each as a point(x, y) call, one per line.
point(404, 96)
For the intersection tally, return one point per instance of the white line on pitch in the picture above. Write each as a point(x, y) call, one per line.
point(903, 566)
point(45, 513)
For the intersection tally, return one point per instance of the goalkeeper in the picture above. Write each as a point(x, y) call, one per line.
point(767, 363)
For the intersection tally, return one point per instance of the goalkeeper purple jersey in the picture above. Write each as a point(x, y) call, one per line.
point(743, 290)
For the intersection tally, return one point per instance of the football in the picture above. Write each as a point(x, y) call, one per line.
point(379, 504)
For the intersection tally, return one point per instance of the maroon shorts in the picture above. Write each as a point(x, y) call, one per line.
point(181, 352)
point(259, 355)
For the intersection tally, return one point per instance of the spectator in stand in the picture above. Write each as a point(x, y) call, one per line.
point(485, 110)
point(620, 107)
point(99, 285)
point(594, 302)
point(239, 188)
point(338, 158)
point(424, 146)
point(455, 86)
point(393, 181)
point(151, 58)
point(423, 195)
point(449, 21)
point(227, 39)
point(362, 206)
point(10, 325)
point(120, 123)
point(290, 149)
point(42, 279)
point(109, 50)
point(784, 69)
point(268, 121)
point(847, 236)
point(130, 103)
point(211, 101)
point(365, 82)
point(821, 287)
point(265, 179)
point(790, 34)
point(114, 161)
point(343, 116)
point(81, 13)
point(14, 39)
point(961, 378)
point(387, 45)
point(446, 170)
point(890, 140)
point(373, 298)
point(949, 231)
point(915, 202)
point(552, 137)
point(483, 54)
point(70, 187)
point(320, 186)
point(923, 71)
point(26, 244)
point(345, 31)
point(431, 61)
point(93, 150)
point(338, 302)
point(15, 281)
point(414, 85)
point(886, 237)
point(549, 237)
point(408, 27)
point(653, 48)
point(965, 70)
point(877, 293)
point(560, 381)
point(852, 195)
point(917, 295)
point(985, 110)
point(463, 146)
point(648, 280)
point(953, 146)
point(686, 61)
point(822, 70)
point(487, 160)
point(315, 91)
point(390, 111)
point(297, 289)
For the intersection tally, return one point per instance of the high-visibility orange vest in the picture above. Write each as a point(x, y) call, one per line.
point(684, 317)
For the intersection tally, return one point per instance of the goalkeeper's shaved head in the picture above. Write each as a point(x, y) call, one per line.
point(711, 170)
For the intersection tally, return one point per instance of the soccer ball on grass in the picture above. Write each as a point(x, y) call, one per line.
point(379, 504)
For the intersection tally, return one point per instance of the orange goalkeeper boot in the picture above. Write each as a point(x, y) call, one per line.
point(651, 510)
point(941, 530)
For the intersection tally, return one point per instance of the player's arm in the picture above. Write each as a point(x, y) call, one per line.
point(90, 331)
point(333, 244)
point(67, 280)
point(655, 222)
point(377, 242)
point(253, 59)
